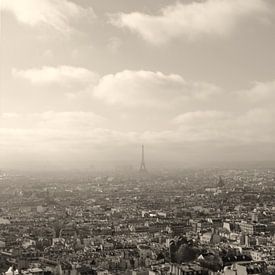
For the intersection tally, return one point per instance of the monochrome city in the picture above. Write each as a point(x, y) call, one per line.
point(137, 137)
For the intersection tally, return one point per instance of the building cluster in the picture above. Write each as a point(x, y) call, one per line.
point(189, 222)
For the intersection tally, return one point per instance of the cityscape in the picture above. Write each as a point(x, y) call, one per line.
point(137, 137)
point(190, 221)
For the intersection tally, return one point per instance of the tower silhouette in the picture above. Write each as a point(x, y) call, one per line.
point(220, 182)
point(142, 164)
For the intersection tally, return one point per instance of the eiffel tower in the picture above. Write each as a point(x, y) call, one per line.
point(142, 167)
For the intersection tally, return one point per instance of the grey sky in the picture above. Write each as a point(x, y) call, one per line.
point(90, 80)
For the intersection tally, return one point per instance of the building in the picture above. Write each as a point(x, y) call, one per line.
point(252, 228)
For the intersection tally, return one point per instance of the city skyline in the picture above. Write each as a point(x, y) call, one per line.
point(87, 82)
point(137, 137)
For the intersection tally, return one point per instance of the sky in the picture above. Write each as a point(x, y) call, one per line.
point(88, 81)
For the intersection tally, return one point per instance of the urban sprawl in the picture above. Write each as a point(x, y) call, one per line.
point(186, 222)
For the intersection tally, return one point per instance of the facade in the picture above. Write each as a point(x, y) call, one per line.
point(252, 228)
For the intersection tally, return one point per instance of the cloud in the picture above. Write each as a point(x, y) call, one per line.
point(51, 135)
point(56, 134)
point(57, 14)
point(260, 94)
point(253, 126)
point(114, 44)
point(83, 137)
point(204, 18)
point(83, 133)
point(200, 117)
point(62, 75)
point(164, 111)
point(125, 88)
point(52, 120)
point(150, 89)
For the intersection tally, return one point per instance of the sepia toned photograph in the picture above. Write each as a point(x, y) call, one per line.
point(137, 137)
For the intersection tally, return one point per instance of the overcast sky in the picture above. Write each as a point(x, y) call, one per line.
point(89, 81)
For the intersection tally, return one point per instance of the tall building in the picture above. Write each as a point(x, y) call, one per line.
point(142, 164)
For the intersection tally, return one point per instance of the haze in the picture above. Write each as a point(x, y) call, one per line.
point(86, 82)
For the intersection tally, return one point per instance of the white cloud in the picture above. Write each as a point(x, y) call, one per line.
point(253, 126)
point(147, 89)
point(125, 88)
point(50, 134)
point(62, 75)
point(57, 14)
point(82, 133)
point(210, 17)
point(261, 93)
point(52, 120)
point(161, 110)
point(56, 133)
point(59, 137)
point(200, 117)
